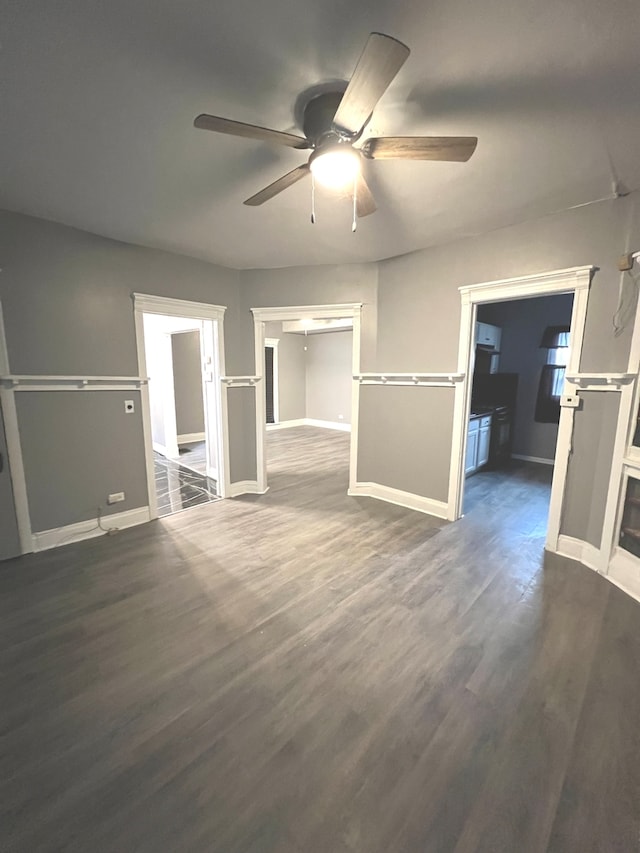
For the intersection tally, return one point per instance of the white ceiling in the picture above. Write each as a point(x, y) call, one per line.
point(98, 98)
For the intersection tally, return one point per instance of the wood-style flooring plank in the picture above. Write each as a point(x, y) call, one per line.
point(308, 671)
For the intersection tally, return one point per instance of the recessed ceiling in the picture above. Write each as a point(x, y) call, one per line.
point(98, 102)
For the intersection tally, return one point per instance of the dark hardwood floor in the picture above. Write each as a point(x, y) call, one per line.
point(304, 671)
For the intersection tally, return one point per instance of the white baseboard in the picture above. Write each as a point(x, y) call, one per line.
point(245, 487)
point(624, 572)
point(46, 539)
point(400, 498)
point(286, 424)
point(188, 437)
point(537, 459)
point(340, 425)
point(583, 552)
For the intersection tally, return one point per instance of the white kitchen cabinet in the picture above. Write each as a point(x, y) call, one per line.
point(488, 335)
point(478, 441)
point(472, 446)
point(484, 438)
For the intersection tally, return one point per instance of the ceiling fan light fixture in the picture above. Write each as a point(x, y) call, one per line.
point(335, 168)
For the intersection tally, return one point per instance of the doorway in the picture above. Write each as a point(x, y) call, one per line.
point(180, 351)
point(521, 350)
point(574, 282)
point(280, 329)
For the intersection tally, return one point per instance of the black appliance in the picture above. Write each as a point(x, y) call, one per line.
point(496, 393)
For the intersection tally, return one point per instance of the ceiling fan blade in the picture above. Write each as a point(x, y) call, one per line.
point(449, 148)
point(381, 59)
point(250, 131)
point(278, 186)
point(365, 202)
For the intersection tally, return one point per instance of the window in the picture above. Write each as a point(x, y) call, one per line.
point(556, 342)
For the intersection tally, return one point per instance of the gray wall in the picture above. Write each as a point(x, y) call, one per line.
point(329, 376)
point(187, 382)
point(66, 299)
point(292, 376)
point(67, 302)
point(418, 323)
point(522, 323)
point(74, 445)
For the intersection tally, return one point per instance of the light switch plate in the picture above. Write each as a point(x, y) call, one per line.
point(129, 407)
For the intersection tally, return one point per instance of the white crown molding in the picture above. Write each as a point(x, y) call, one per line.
point(306, 312)
point(151, 304)
point(554, 281)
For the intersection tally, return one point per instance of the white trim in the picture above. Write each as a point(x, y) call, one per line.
point(34, 382)
point(624, 572)
point(189, 437)
point(304, 312)
point(574, 279)
point(57, 536)
point(521, 287)
point(625, 461)
point(583, 552)
point(399, 498)
point(446, 380)
point(150, 304)
point(297, 422)
point(339, 425)
point(245, 487)
point(313, 422)
point(539, 459)
point(240, 381)
point(162, 450)
point(14, 450)
point(147, 303)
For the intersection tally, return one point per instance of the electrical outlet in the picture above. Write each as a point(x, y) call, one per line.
point(115, 498)
point(129, 407)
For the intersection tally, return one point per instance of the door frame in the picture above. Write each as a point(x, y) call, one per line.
point(14, 447)
point(353, 310)
point(272, 343)
point(148, 304)
point(575, 280)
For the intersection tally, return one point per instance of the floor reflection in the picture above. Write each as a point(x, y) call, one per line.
point(178, 488)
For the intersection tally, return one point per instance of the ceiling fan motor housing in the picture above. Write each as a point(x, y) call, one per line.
point(318, 120)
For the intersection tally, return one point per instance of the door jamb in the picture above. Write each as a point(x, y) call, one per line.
point(148, 304)
point(574, 280)
point(14, 448)
point(304, 312)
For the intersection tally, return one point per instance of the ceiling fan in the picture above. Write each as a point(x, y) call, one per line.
point(333, 123)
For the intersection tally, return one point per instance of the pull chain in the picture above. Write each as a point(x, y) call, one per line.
point(313, 200)
point(354, 224)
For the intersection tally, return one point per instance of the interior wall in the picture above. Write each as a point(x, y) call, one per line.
point(418, 323)
point(329, 376)
point(523, 323)
point(292, 374)
point(67, 303)
point(187, 382)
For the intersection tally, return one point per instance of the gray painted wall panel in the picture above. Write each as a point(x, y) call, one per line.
point(187, 382)
point(80, 446)
point(401, 423)
point(329, 376)
point(9, 537)
point(242, 452)
point(522, 323)
point(292, 376)
point(590, 465)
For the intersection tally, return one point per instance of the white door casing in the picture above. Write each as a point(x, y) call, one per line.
point(574, 280)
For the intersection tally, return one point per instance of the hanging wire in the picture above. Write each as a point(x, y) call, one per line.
point(313, 199)
point(354, 224)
